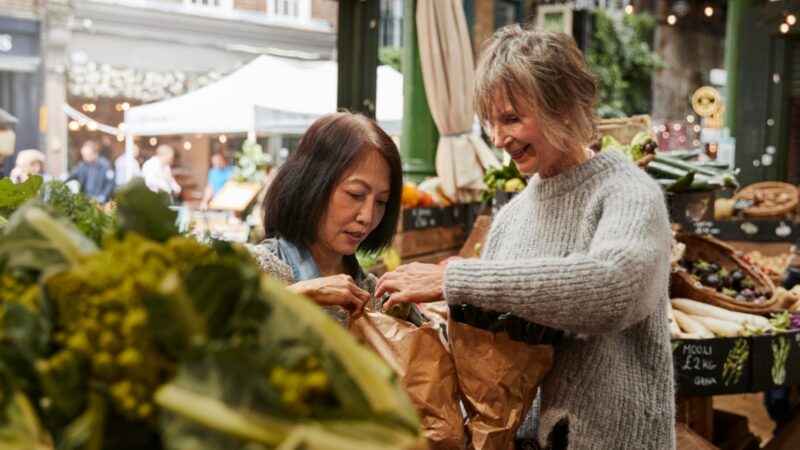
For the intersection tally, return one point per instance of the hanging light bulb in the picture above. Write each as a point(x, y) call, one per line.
point(791, 19)
point(708, 11)
point(153, 141)
point(671, 19)
point(784, 28)
point(629, 9)
point(92, 126)
point(73, 125)
point(120, 137)
point(223, 139)
point(187, 145)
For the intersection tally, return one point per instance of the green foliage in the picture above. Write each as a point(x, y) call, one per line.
point(391, 56)
point(623, 61)
point(250, 162)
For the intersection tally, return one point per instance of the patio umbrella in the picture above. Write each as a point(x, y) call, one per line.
point(448, 70)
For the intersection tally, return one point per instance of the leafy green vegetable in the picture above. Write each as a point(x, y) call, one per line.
point(12, 196)
point(145, 212)
point(496, 178)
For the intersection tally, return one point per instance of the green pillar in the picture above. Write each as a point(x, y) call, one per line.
point(736, 9)
point(420, 136)
point(357, 44)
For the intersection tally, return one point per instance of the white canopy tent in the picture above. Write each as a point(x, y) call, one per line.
point(270, 95)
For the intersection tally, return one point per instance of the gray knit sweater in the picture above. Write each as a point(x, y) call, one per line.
point(587, 251)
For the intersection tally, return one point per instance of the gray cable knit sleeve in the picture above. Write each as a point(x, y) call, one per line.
point(616, 283)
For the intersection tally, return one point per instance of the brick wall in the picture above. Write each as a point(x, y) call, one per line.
point(19, 7)
point(483, 24)
point(326, 10)
point(250, 5)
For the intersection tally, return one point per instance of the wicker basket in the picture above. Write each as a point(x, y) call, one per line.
point(758, 191)
point(710, 249)
point(623, 130)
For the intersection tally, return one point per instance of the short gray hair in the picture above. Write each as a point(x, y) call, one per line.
point(545, 73)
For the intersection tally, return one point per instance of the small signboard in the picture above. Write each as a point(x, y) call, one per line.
point(235, 196)
point(712, 366)
point(776, 361)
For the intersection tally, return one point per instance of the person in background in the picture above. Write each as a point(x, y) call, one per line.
point(218, 175)
point(337, 193)
point(585, 248)
point(126, 166)
point(29, 162)
point(94, 173)
point(157, 171)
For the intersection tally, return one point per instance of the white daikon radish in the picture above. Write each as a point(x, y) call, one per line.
point(719, 326)
point(691, 326)
point(696, 308)
point(683, 335)
point(674, 329)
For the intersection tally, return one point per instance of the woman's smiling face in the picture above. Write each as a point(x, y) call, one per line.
point(520, 134)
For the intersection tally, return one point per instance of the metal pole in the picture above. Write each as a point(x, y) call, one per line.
point(736, 9)
point(420, 136)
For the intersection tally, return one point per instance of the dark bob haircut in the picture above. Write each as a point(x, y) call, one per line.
point(300, 193)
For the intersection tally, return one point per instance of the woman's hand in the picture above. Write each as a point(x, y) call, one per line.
point(335, 290)
point(412, 283)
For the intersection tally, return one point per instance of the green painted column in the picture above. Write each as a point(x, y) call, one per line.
point(420, 136)
point(736, 9)
point(357, 47)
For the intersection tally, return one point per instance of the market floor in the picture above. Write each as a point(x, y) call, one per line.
point(752, 406)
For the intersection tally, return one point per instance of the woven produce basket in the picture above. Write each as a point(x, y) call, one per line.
point(759, 191)
point(713, 250)
point(623, 130)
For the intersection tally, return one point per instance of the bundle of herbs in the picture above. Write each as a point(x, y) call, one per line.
point(154, 340)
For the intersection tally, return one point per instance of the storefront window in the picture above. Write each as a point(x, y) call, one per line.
point(221, 4)
point(292, 9)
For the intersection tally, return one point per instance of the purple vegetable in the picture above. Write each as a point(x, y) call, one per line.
point(794, 323)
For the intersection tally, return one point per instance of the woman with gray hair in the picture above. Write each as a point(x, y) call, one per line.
point(29, 162)
point(584, 248)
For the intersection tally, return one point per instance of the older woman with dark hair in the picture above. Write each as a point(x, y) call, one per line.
point(337, 193)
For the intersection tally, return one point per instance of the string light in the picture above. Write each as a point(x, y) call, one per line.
point(92, 126)
point(120, 137)
point(153, 141)
point(223, 139)
point(187, 145)
point(125, 106)
point(709, 11)
point(696, 143)
point(676, 127)
point(791, 19)
point(671, 19)
point(690, 118)
point(662, 128)
point(122, 126)
point(665, 135)
point(696, 128)
point(784, 28)
point(74, 126)
point(628, 9)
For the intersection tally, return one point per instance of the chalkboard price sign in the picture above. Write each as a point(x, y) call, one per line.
point(712, 366)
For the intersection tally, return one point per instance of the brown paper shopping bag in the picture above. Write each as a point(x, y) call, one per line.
point(498, 378)
point(426, 371)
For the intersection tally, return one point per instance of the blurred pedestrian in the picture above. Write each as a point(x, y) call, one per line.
point(29, 162)
point(219, 174)
point(127, 167)
point(157, 171)
point(94, 173)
